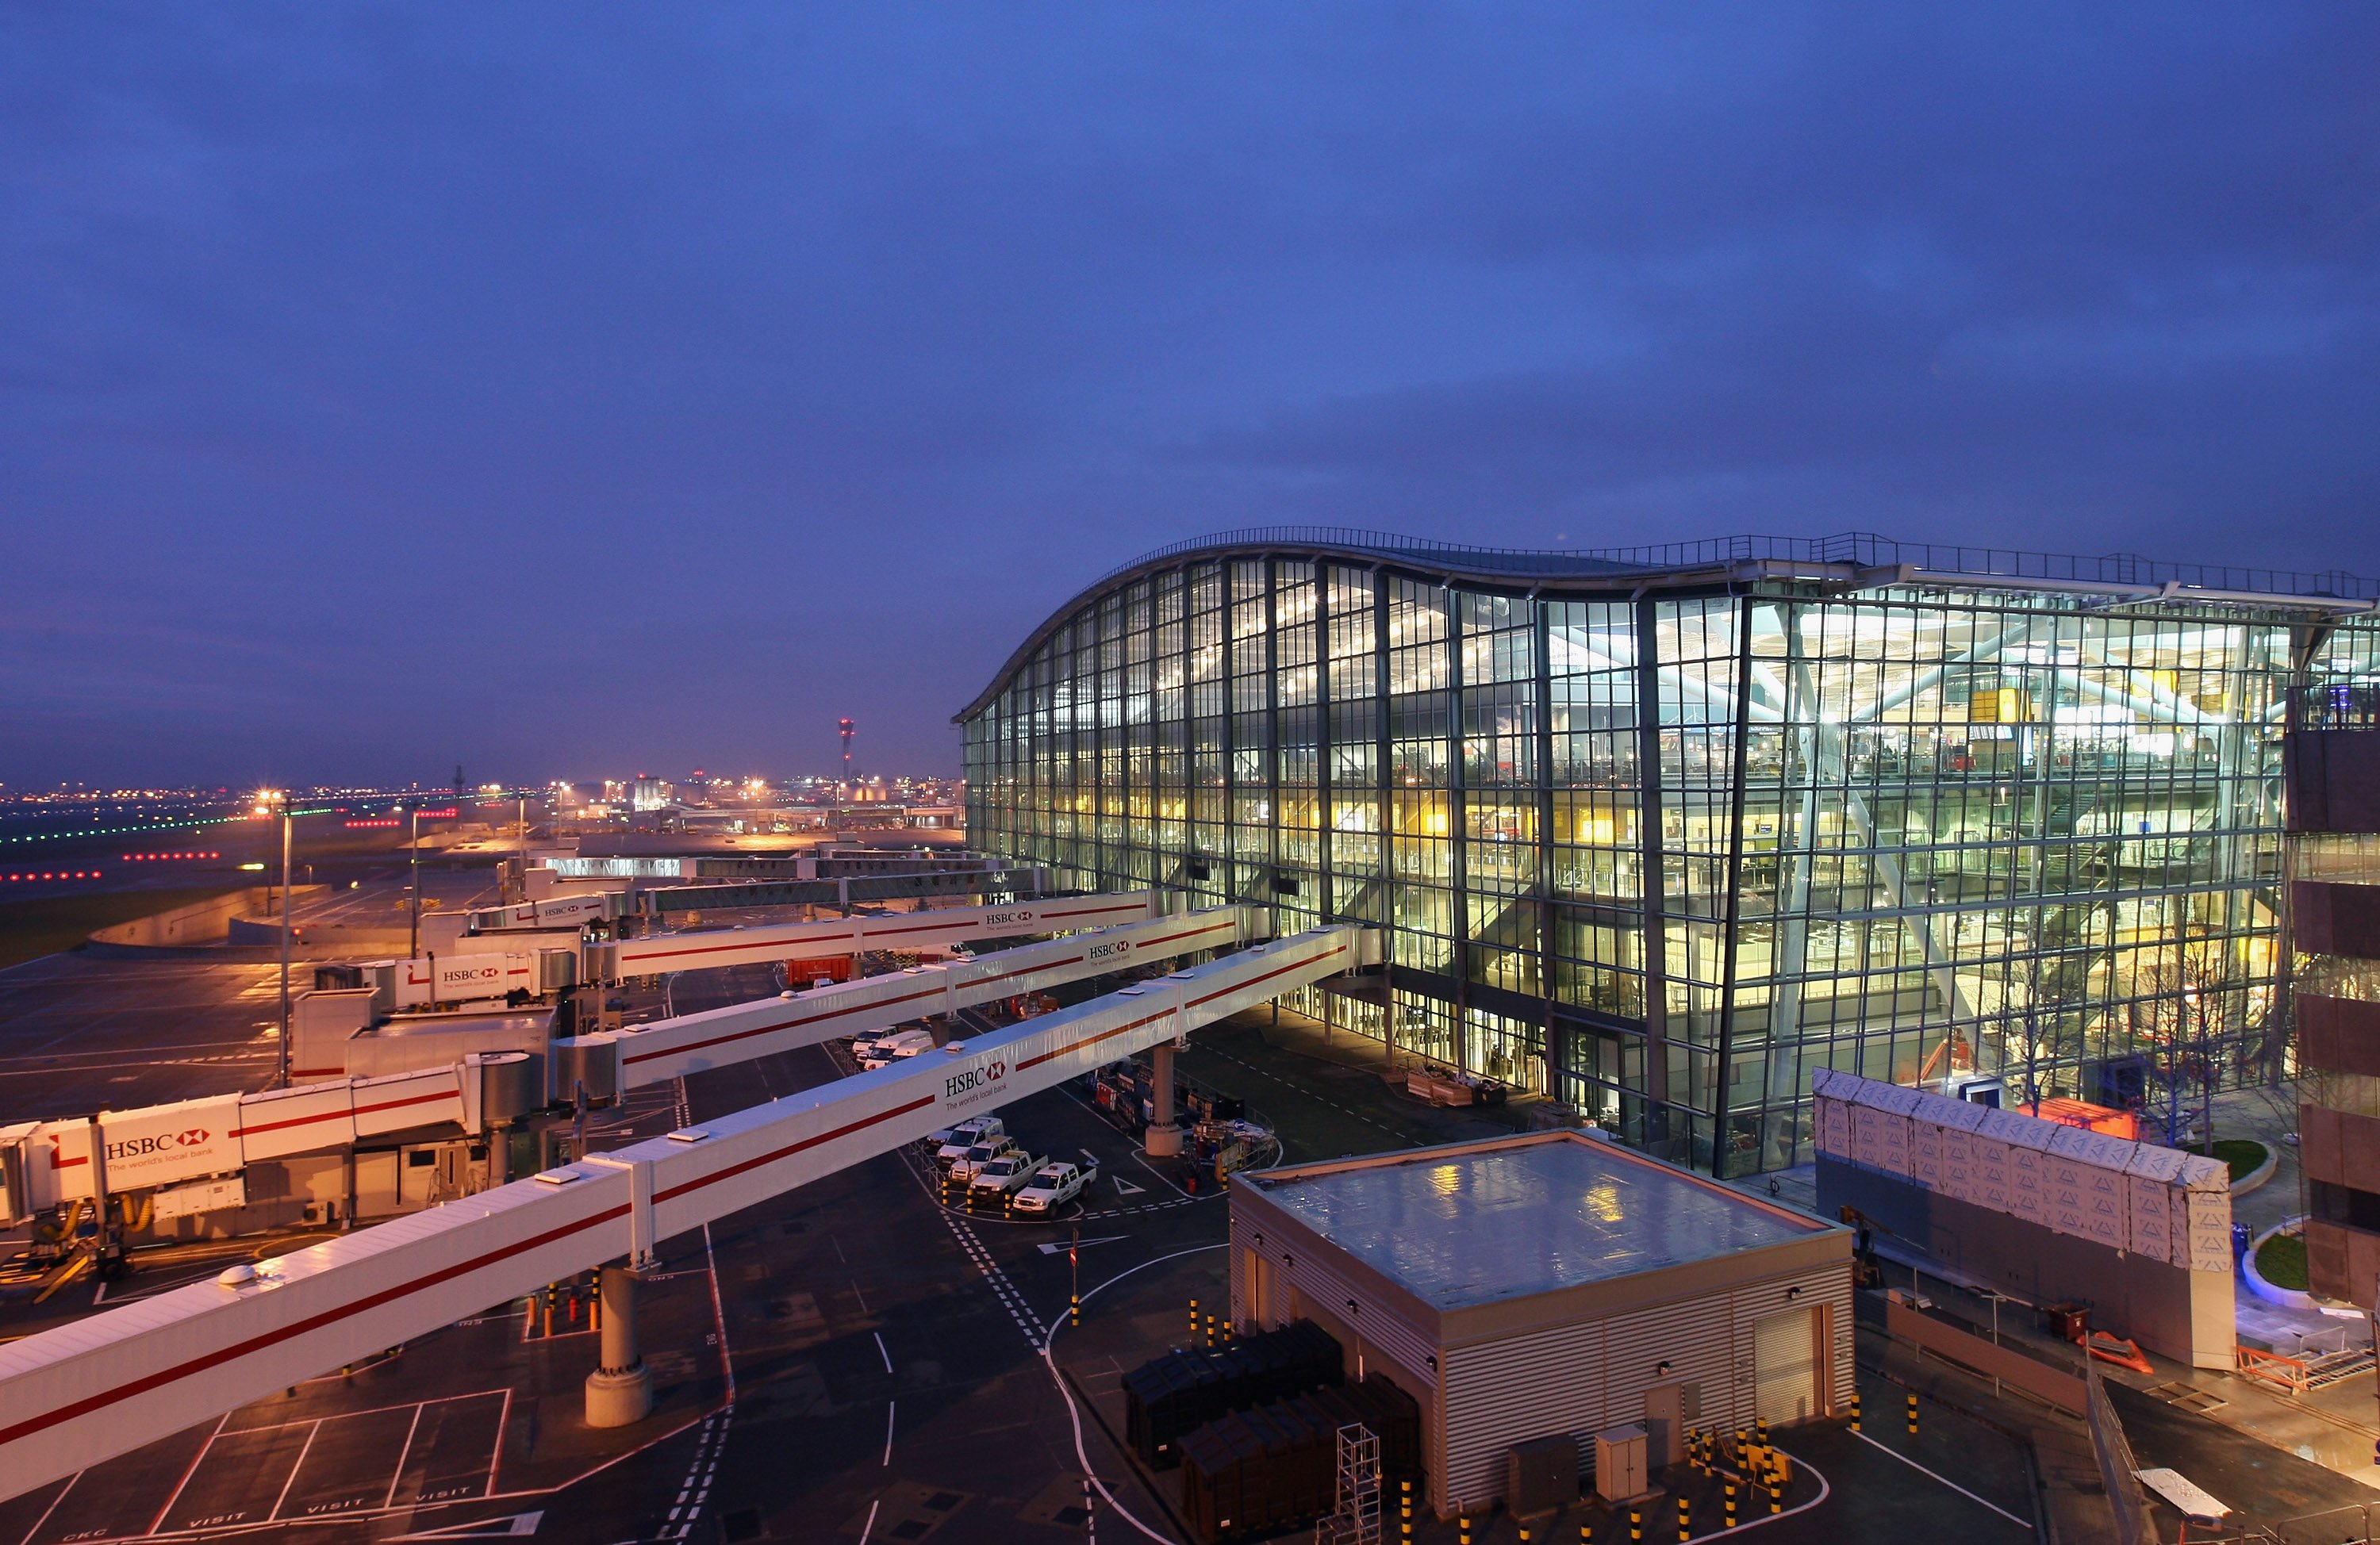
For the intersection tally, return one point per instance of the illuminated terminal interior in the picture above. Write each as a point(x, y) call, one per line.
point(1658, 833)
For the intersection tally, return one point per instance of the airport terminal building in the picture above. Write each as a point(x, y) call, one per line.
point(1660, 831)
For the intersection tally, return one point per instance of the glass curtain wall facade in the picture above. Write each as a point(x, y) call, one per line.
point(1662, 854)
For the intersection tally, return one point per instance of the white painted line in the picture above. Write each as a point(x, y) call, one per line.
point(881, 1352)
point(889, 1406)
point(869, 1527)
point(399, 1473)
point(303, 1449)
point(80, 1474)
point(496, 1449)
point(2024, 1524)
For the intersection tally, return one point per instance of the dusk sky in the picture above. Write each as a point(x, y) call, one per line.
point(569, 390)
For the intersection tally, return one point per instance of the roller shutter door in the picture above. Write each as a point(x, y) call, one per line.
point(1784, 1359)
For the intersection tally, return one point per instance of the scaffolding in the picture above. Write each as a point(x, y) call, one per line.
point(1357, 1520)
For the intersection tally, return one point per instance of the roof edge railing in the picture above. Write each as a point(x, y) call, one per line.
point(1857, 548)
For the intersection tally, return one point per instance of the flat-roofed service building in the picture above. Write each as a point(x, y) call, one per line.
point(1547, 1284)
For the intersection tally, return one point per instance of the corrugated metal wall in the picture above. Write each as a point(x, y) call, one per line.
point(1582, 1378)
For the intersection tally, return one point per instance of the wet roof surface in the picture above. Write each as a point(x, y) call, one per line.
point(1474, 1228)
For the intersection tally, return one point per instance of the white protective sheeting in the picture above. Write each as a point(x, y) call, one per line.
point(2160, 1203)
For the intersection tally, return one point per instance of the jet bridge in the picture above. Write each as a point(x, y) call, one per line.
point(610, 1062)
point(938, 928)
point(46, 1163)
point(104, 1386)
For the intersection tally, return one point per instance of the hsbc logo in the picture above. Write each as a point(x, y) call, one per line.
point(1108, 952)
point(165, 1142)
point(980, 1078)
point(993, 919)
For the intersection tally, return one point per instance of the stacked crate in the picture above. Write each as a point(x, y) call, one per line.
point(1169, 1396)
point(1255, 1472)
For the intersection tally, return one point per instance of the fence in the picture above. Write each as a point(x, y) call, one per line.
point(2052, 1386)
point(2125, 1499)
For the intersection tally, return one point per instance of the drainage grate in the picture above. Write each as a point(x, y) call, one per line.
point(1071, 1518)
point(2188, 1396)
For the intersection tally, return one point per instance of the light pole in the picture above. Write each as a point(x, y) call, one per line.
point(285, 844)
point(413, 950)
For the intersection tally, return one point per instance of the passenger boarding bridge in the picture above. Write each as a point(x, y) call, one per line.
point(72, 1396)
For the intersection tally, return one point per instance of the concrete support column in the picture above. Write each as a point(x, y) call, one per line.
point(619, 1393)
point(1164, 1133)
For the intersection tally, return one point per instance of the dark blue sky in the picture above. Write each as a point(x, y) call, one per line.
point(569, 388)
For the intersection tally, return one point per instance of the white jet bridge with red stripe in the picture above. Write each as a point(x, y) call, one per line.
point(89, 1390)
point(611, 1061)
point(939, 927)
point(217, 1135)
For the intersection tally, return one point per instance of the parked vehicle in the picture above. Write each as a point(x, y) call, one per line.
point(1054, 1185)
point(997, 1180)
point(963, 1168)
point(892, 1048)
point(962, 1137)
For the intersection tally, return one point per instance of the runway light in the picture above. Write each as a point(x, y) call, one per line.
point(256, 868)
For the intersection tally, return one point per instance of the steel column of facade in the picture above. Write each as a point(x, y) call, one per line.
point(1541, 643)
point(1384, 791)
point(72, 1396)
point(1325, 864)
point(1724, 1080)
point(1654, 944)
point(1458, 825)
point(1269, 891)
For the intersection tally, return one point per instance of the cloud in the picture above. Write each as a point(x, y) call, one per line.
point(662, 386)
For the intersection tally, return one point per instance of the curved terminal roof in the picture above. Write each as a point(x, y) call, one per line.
point(1858, 559)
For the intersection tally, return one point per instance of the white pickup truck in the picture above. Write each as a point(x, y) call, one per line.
point(963, 1168)
point(993, 1183)
point(1054, 1185)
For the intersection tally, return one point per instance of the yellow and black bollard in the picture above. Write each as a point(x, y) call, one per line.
point(1211, 1332)
point(1635, 1527)
point(1730, 1501)
point(1913, 1414)
point(1405, 1511)
point(1194, 1319)
point(1775, 1495)
point(1463, 1527)
point(1586, 1533)
point(1524, 1534)
point(1855, 1422)
point(1760, 1430)
point(1074, 1312)
point(1685, 1521)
